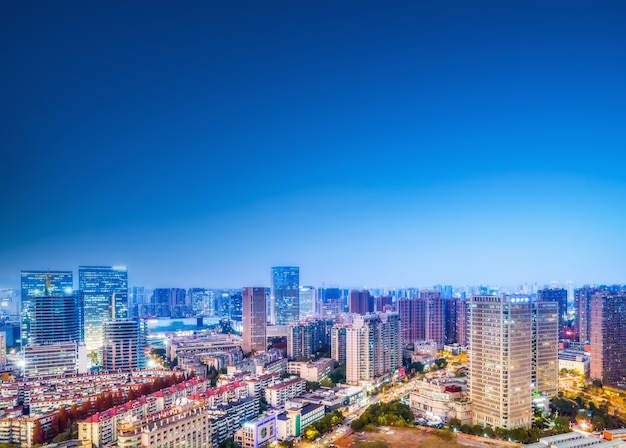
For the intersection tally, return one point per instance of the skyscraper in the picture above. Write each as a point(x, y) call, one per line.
point(373, 347)
point(105, 297)
point(123, 345)
point(235, 308)
point(360, 302)
point(56, 318)
point(545, 345)
point(254, 320)
point(582, 306)
point(38, 283)
point(461, 321)
point(307, 301)
point(608, 333)
point(286, 294)
point(413, 316)
point(500, 361)
point(434, 317)
point(559, 296)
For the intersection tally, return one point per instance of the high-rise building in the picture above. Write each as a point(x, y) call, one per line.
point(105, 297)
point(413, 316)
point(373, 347)
point(3, 348)
point(123, 346)
point(449, 320)
point(54, 360)
point(461, 321)
point(286, 294)
point(434, 317)
point(559, 296)
point(500, 361)
point(254, 320)
point(360, 302)
point(56, 318)
point(608, 333)
point(338, 343)
point(236, 306)
point(545, 345)
point(582, 306)
point(38, 283)
point(383, 303)
point(308, 298)
point(308, 337)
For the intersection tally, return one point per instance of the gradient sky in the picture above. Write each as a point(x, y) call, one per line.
point(457, 142)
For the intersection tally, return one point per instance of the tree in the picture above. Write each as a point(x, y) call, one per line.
point(477, 430)
point(441, 363)
point(598, 423)
point(327, 382)
point(454, 423)
point(466, 429)
point(561, 424)
point(63, 419)
point(310, 433)
point(38, 435)
point(312, 385)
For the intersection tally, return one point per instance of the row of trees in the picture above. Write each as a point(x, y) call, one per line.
point(419, 367)
point(514, 435)
point(393, 413)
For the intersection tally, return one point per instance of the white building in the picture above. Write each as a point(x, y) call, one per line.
point(373, 348)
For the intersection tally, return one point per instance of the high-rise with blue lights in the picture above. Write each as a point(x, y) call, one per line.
point(40, 283)
point(105, 297)
point(286, 294)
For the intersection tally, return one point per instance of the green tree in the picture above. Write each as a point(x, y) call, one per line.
point(454, 423)
point(561, 424)
point(598, 423)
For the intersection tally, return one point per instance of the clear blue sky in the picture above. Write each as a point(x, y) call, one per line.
point(370, 144)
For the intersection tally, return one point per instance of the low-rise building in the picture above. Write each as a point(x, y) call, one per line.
point(314, 371)
point(257, 433)
point(278, 393)
point(575, 360)
point(440, 400)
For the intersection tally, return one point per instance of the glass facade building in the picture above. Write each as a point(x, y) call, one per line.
point(123, 346)
point(254, 321)
point(40, 283)
point(286, 294)
point(56, 318)
point(105, 296)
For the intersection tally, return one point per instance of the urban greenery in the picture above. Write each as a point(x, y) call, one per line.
point(393, 413)
point(323, 425)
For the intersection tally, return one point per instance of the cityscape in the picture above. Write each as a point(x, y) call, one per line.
point(99, 363)
point(313, 224)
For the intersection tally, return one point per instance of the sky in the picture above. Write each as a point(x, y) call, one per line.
point(373, 144)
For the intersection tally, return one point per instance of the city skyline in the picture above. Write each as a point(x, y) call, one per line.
point(370, 145)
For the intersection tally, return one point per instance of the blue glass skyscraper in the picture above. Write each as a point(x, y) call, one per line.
point(40, 283)
point(286, 294)
point(105, 297)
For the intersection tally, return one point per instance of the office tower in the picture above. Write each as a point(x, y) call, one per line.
point(180, 304)
point(382, 302)
point(37, 283)
point(236, 306)
point(105, 297)
point(608, 333)
point(56, 318)
point(461, 321)
point(360, 302)
point(559, 296)
point(123, 346)
point(582, 306)
point(413, 316)
point(286, 294)
point(449, 320)
point(373, 347)
point(434, 317)
point(500, 361)
point(202, 301)
point(307, 301)
point(254, 320)
point(338, 343)
point(545, 346)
